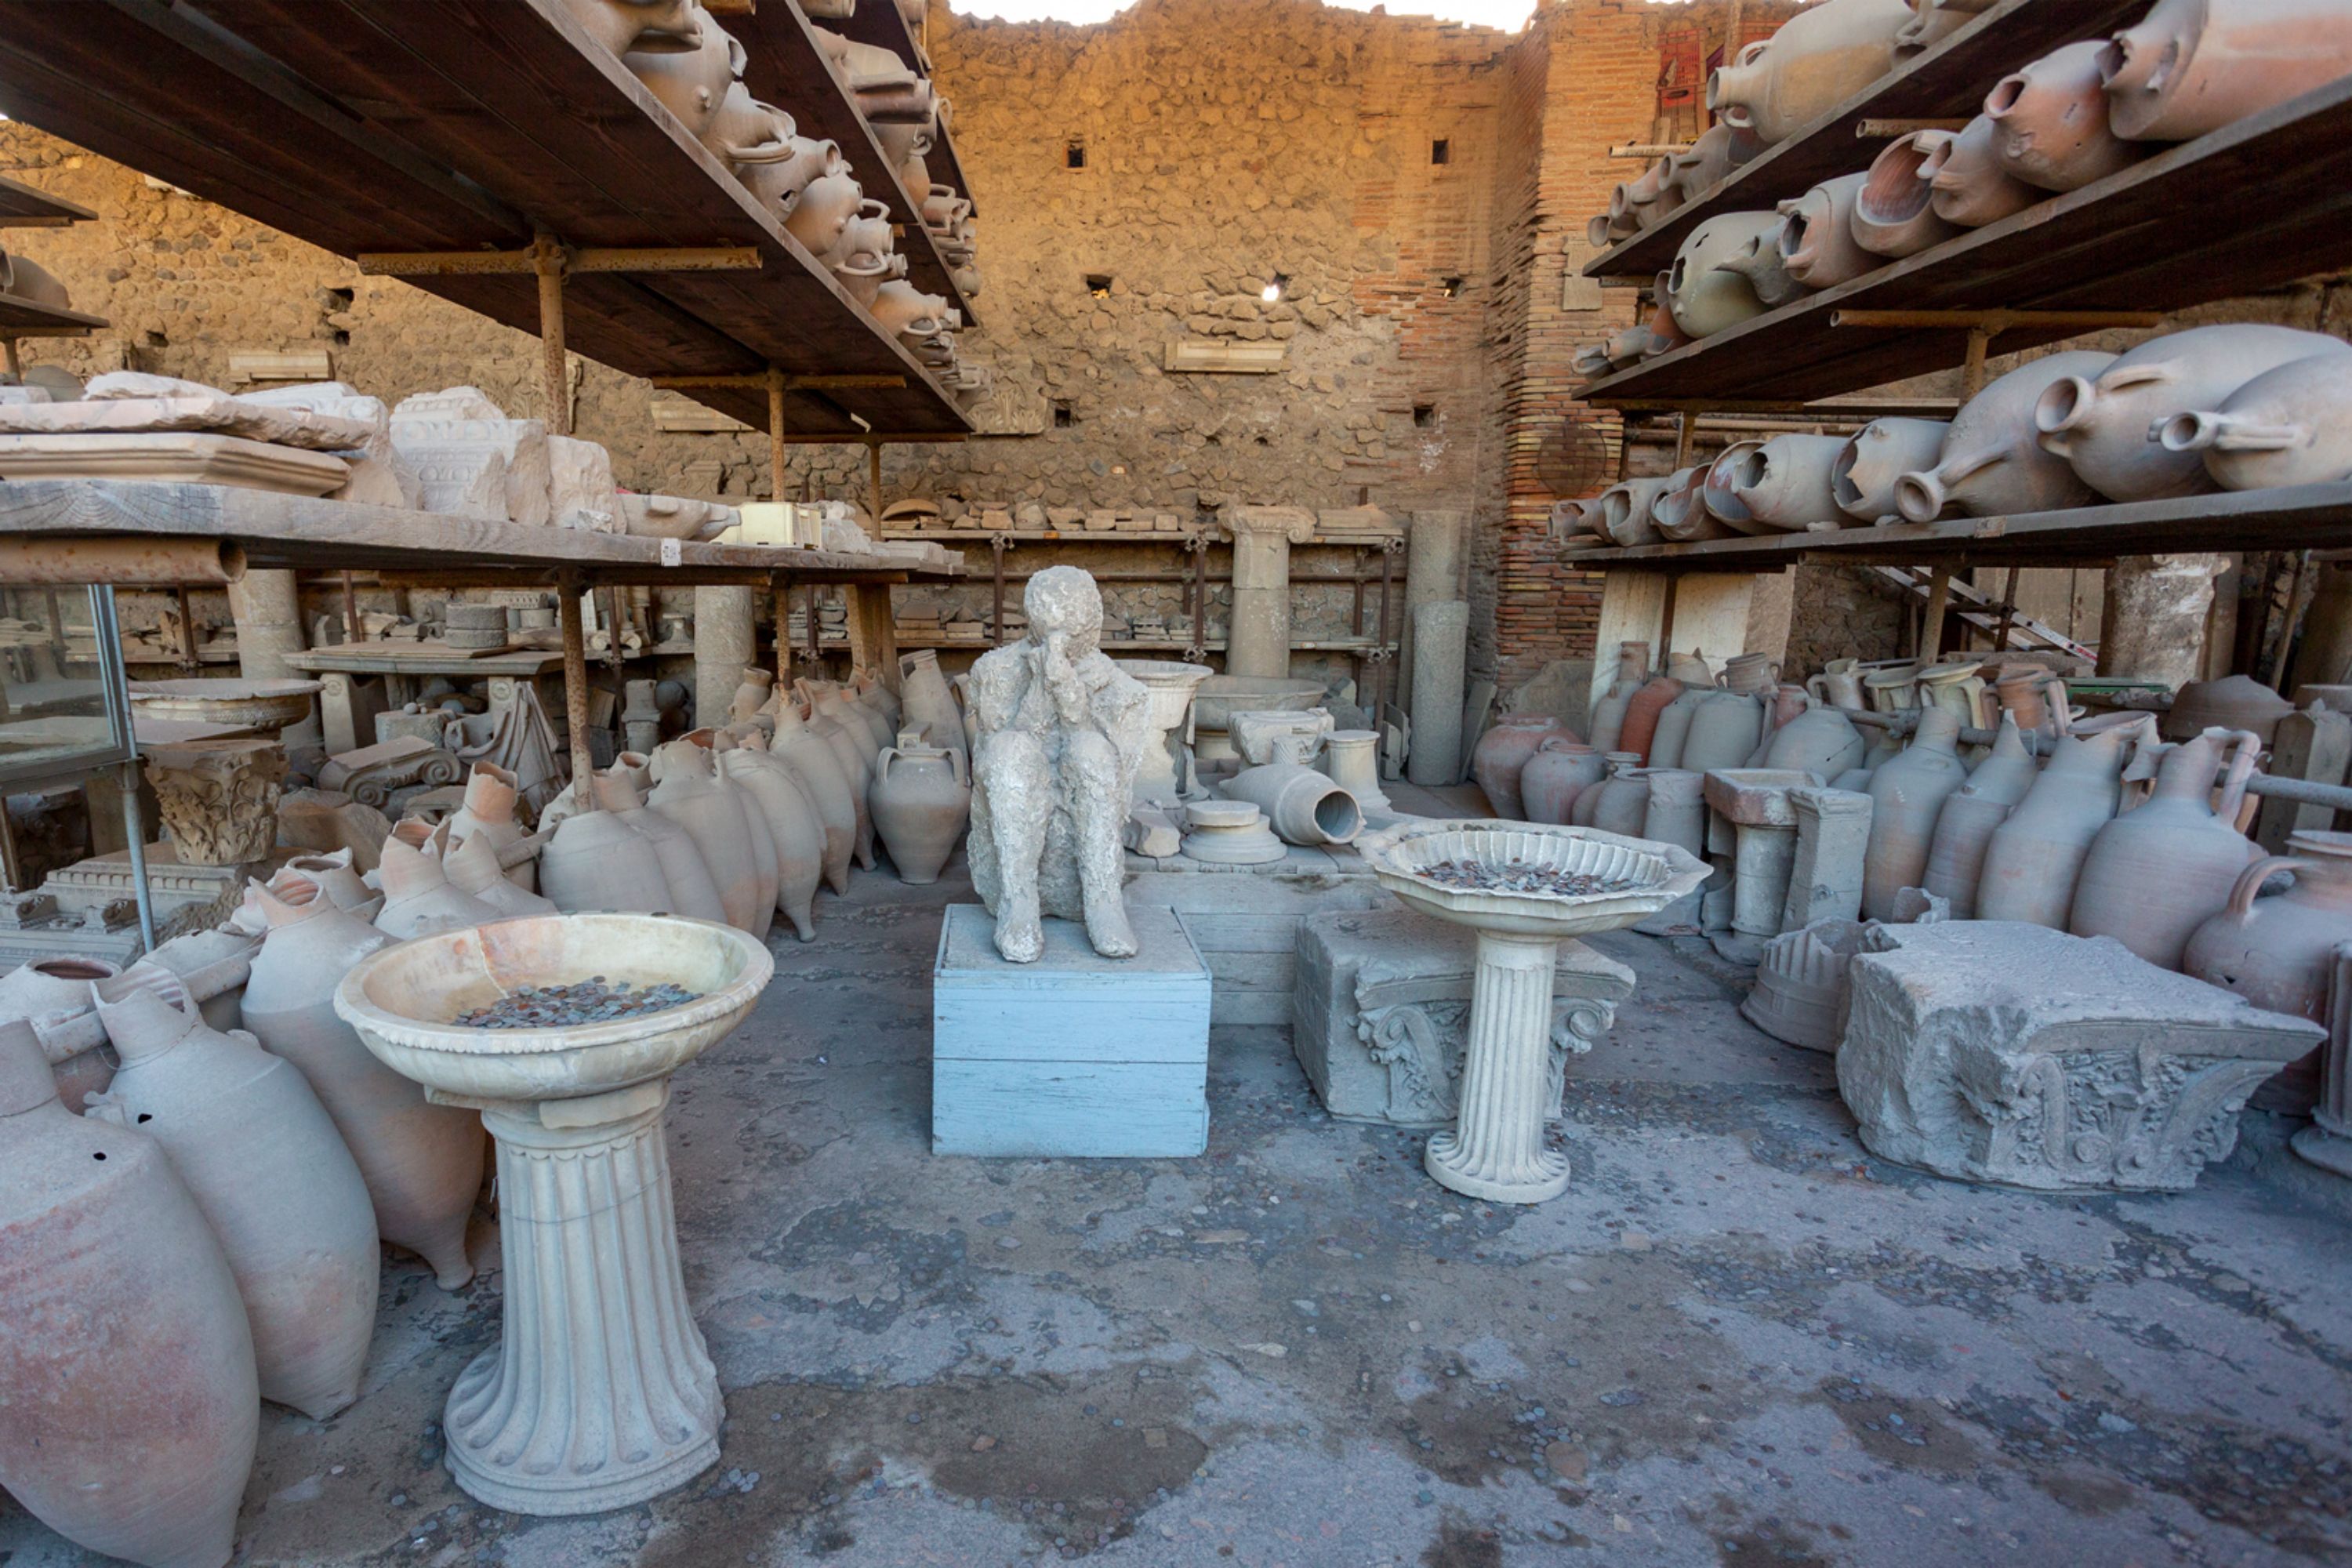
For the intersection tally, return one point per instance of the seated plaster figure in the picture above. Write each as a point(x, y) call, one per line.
point(1061, 730)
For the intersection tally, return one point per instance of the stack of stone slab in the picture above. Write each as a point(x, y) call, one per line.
point(129, 425)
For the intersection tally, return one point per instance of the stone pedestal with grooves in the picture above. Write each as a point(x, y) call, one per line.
point(1351, 758)
point(2328, 1141)
point(725, 644)
point(1825, 878)
point(1756, 803)
point(1441, 653)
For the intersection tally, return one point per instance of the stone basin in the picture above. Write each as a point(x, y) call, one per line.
point(401, 1000)
point(1758, 797)
point(1221, 695)
point(222, 699)
point(1661, 873)
point(1171, 683)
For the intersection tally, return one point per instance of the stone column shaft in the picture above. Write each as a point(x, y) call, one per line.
point(1441, 634)
point(726, 643)
point(1258, 642)
point(1762, 863)
point(599, 1393)
point(1495, 1149)
point(267, 613)
point(2328, 1141)
point(1432, 571)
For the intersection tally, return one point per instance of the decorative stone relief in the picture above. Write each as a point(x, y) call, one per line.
point(459, 441)
point(1999, 1051)
point(219, 798)
point(581, 480)
point(1380, 1015)
point(1061, 732)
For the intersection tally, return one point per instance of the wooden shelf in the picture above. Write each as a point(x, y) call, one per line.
point(23, 318)
point(1946, 82)
point(1150, 644)
point(1098, 536)
point(404, 126)
point(295, 532)
point(2305, 517)
point(22, 206)
point(876, 22)
point(784, 66)
point(2254, 206)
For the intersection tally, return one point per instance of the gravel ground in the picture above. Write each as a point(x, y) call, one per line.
point(1736, 1340)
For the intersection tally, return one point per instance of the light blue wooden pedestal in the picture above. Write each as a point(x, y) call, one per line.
point(1073, 1055)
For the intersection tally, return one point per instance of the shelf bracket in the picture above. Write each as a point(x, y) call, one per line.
point(1983, 326)
point(775, 380)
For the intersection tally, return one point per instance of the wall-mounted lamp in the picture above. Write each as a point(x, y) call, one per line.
point(1273, 290)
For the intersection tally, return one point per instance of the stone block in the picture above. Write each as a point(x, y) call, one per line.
point(173, 456)
point(1381, 1013)
point(1998, 1051)
point(1074, 1054)
point(1825, 879)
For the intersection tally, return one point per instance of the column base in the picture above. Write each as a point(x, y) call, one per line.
point(561, 1493)
point(2319, 1147)
point(1543, 1178)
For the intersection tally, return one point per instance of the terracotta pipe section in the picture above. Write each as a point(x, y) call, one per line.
point(126, 563)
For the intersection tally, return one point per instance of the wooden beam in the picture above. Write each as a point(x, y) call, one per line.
point(583, 259)
point(575, 684)
point(547, 260)
point(761, 381)
point(1887, 130)
point(1997, 321)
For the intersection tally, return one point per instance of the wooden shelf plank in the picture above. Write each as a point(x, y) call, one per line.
point(2304, 517)
point(279, 531)
point(784, 66)
point(2253, 206)
point(20, 316)
point(366, 125)
point(1949, 81)
point(22, 206)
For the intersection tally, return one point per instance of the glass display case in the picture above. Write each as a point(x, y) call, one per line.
point(64, 711)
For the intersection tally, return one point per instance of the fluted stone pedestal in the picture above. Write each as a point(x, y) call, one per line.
point(1352, 759)
point(1495, 1149)
point(599, 1393)
point(2328, 1141)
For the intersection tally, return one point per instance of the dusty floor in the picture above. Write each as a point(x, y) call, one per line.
point(1736, 1340)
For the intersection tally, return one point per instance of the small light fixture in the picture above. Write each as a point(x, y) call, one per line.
point(1273, 290)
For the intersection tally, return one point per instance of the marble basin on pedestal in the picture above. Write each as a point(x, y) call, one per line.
point(217, 699)
point(1222, 696)
point(1162, 776)
point(599, 1393)
point(1496, 1149)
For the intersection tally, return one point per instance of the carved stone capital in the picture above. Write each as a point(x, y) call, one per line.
point(219, 798)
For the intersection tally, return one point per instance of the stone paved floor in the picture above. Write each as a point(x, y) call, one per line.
point(1737, 1339)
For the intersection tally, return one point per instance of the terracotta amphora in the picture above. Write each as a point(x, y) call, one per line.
point(1785, 483)
point(422, 1162)
point(1691, 669)
point(1680, 511)
point(1993, 460)
point(1751, 674)
point(1707, 297)
point(1588, 800)
point(1626, 511)
point(1821, 739)
point(688, 793)
point(2103, 425)
point(1725, 730)
point(794, 829)
point(637, 768)
point(268, 1171)
point(2232, 702)
point(1863, 474)
point(765, 872)
point(1816, 236)
point(922, 801)
point(2290, 425)
point(855, 757)
point(826, 205)
point(2161, 870)
point(1967, 184)
point(2031, 862)
point(418, 897)
point(1710, 159)
point(777, 172)
point(692, 884)
point(1766, 270)
point(640, 26)
point(1665, 749)
point(1622, 801)
point(2276, 951)
point(1907, 794)
point(1964, 828)
point(1956, 685)
point(1893, 213)
point(860, 700)
point(1819, 59)
point(803, 751)
point(471, 865)
point(1892, 690)
point(132, 1403)
point(1560, 770)
point(2194, 65)
point(492, 797)
point(2050, 121)
point(1634, 204)
point(1716, 492)
point(1302, 804)
point(1839, 685)
point(692, 84)
point(1503, 751)
point(929, 706)
point(597, 861)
